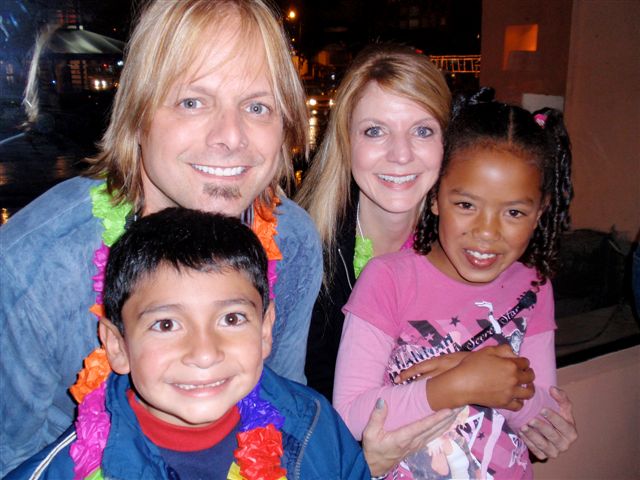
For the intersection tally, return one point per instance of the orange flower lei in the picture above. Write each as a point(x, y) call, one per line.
point(96, 365)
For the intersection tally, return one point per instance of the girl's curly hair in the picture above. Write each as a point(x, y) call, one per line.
point(540, 136)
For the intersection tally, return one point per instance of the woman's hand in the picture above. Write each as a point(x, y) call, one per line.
point(383, 450)
point(548, 438)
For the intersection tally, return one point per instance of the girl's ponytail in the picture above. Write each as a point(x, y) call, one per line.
point(558, 191)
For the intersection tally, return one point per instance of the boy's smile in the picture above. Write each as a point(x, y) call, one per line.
point(194, 342)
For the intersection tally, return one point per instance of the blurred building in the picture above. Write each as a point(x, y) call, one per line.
point(331, 32)
point(74, 59)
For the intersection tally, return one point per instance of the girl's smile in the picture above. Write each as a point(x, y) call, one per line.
point(489, 202)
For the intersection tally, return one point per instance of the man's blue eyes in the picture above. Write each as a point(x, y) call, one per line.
point(258, 109)
point(254, 108)
point(190, 103)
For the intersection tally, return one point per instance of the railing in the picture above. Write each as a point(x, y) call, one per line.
point(457, 63)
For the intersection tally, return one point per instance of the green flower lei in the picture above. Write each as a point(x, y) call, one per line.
point(362, 254)
point(113, 217)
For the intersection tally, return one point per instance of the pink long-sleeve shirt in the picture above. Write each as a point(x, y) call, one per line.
point(402, 311)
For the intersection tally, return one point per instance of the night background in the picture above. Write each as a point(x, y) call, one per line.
point(80, 58)
point(584, 57)
point(343, 27)
point(434, 26)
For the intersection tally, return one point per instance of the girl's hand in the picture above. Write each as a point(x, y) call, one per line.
point(492, 377)
point(383, 450)
point(432, 367)
point(548, 438)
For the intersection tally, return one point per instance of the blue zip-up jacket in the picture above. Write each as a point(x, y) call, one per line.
point(317, 444)
point(46, 329)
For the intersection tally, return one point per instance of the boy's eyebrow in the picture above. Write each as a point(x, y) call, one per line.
point(233, 301)
point(177, 306)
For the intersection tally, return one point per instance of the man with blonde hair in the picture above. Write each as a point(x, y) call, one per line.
point(207, 114)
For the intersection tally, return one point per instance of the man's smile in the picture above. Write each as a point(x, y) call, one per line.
point(220, 171)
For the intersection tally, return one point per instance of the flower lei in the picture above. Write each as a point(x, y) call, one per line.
point(259, 441)
point(363, 250)
point(362, 253)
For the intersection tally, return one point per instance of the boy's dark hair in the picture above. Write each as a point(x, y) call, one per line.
point(480, 121)
point(181, 238)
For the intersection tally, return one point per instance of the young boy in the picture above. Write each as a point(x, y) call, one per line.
point(187, 328)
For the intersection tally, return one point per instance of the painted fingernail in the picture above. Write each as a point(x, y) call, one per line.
point(544, 412)
point(379, 404)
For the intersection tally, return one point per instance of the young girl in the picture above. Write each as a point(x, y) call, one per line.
point(476, 288)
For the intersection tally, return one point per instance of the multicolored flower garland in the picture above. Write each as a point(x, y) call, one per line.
point(259, 441)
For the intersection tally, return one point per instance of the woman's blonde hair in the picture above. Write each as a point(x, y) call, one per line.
point(325, 192)
point(164, 45)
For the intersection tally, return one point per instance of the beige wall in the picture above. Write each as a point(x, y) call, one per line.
point(543, 71)
point(605, 393)
point(588, 54)
point(603, 114)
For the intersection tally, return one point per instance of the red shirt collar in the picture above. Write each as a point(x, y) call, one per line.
point(179, 438)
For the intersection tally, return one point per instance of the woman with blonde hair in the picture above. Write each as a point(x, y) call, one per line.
point(366, 186)
point(365, 190)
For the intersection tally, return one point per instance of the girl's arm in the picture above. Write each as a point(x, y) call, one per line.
point(360, 370)
point(540, 349)
point(549, 434)
point(492, 376)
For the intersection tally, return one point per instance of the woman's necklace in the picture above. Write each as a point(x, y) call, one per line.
point(363, 251)
point(258, 447)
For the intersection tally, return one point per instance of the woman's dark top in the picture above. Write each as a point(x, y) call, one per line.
point(327, 317)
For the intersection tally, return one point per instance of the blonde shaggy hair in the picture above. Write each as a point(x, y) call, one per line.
point(165, 43)
point(325, 192)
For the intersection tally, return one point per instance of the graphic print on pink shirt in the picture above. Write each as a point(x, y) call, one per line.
point(478, 432)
